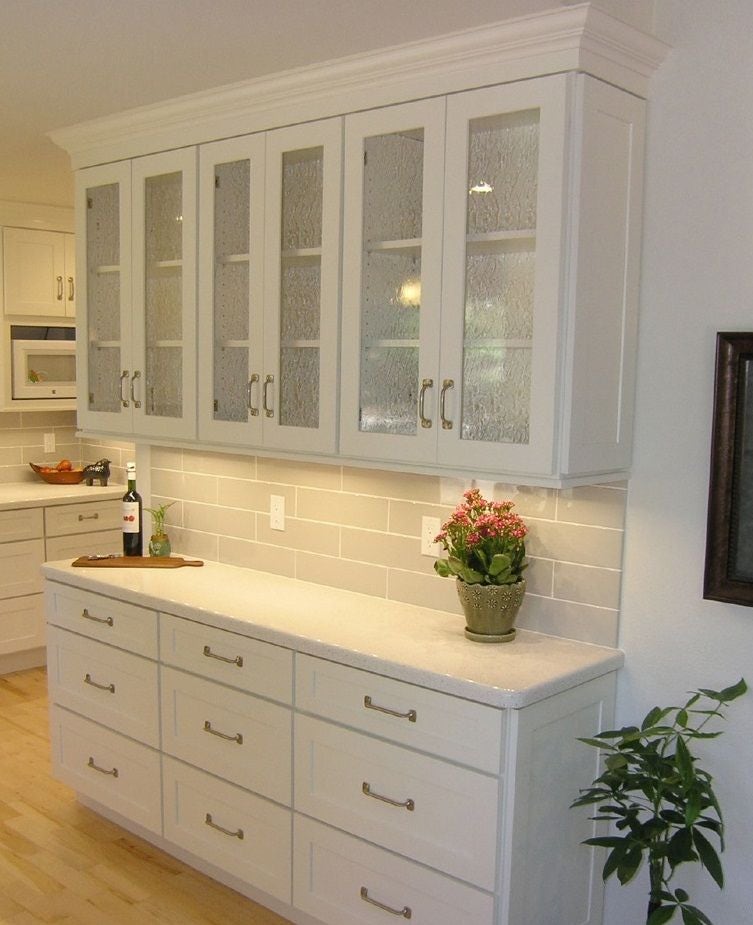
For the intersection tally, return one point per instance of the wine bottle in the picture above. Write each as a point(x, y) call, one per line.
point(133, 540)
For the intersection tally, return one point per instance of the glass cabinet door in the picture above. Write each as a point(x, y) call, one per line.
point(392, 277)
point(103, 217)
point(163, 384)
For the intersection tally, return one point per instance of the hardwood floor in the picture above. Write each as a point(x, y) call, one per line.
point(62, 863)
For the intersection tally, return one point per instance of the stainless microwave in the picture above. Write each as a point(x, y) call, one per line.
point(43, 360)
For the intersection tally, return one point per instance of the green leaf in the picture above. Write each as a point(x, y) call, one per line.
point(709, 857)
point(698, 918)
point(499, 563)
point(680, 848)
point(604, 841)
point(441, 567)
point(661, 915)
point(681, 896)
point(733, 692)
point(684, 762)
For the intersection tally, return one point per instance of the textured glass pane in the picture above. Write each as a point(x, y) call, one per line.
point(499, 295)
point(389, 390)
point(164, 217)
point(231, 384)
point(104, 378)
point(393, 186)
point(391, 296)
point(302, 187)
point(103, 226)
point(164, 377)
point(163, 299)
point(496, 394)
point(231, 316)
point(103, 296)
point(232, 183)
point(300, 299)
point(103, 305)
point(503, 156)
point(299, 387)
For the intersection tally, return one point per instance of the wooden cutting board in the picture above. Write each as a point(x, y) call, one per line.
point(135, 562)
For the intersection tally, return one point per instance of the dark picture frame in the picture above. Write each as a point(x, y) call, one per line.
point(729, 531)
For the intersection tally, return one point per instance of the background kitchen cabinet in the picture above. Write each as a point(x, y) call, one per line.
point(39, 273)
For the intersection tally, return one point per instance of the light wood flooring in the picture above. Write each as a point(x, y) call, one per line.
point(63, 864)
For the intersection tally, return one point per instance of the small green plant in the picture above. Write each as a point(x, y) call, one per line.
point(661, 802)
point(158, 518)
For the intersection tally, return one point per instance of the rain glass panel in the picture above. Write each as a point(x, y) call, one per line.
point(391, 282)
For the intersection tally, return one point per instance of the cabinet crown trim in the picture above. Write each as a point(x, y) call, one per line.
point(577, 38)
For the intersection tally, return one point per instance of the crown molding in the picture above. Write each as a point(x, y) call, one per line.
point(574, 38)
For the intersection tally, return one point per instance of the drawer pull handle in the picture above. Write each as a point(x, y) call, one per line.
point(94, 516)
point(238, 833)
point(410, 715)
point(88, 616)
point(101, 687)
point(238, 660)
point(403, 804)
point(90, 763)
point(405, 912)
point(238, 737)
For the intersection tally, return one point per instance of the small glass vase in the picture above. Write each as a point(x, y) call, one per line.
point(490, 610)
point(159, 545)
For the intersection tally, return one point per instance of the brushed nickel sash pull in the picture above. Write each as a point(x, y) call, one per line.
point(71, 289)
point(404, 804)
point(60, 288)
point(238, 660)
point(405, 912)
point(88, 616)
point(410, 715)
point(268, 380)
point(94, 516)
point(446, 384)
point(238, 737)
point(238, 833)
point(425, 384)
point(254, 409)
point(100, 687)
point(136, 401)
point(123, 398)
point(90, 764)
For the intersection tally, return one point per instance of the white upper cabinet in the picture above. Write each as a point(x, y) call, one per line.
point(39, 273)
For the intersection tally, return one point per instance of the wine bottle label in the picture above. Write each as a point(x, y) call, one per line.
point(131, 523)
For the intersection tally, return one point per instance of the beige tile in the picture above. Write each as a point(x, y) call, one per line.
point(405, 516)
point(194, 545)
point(16, 474)
point(595, 625)
point(539, 576)
point(235, 466)
point(166, 457)
point(392, 484)
point(290, 472)
point(425, 591)
point(339, 573)
point(342, 508)
point(174, 514)
point(587, 585)
point(530, 501)
point(300, 534)
point(24, 437)
point(387, 549)
point(48, 418)
point(11, 456)
point(10, 420)
point(584, 545)
point(595, 505)
point(254, 496)
point(242, 553)
point(199, 488)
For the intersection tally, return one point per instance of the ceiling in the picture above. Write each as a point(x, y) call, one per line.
point(71, 61)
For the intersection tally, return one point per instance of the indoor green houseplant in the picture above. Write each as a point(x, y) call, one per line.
point(661, 801)
point(159, 542)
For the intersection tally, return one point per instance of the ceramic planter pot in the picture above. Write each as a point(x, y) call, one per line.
point(159, 545)
point(490, 610)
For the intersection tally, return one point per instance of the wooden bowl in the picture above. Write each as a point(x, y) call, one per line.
point(68, 477)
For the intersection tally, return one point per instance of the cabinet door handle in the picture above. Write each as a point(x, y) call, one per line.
point(136, 401)
point(238, 737)
point(405, 912)
point(100, 687)
point(71, 289)
point(94, 516)
point(410, 715)
point(254, 409)
point(60, 288)
point(238, 660)
point(87, 616)
point(402, 804)
point(446, 385)
point(113, 772)
point(238, 833)
point(425, 385)
point(268, 380)
point(123, 395)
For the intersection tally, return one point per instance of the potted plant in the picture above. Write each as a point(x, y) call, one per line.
point(661, 801)
point(485, 543)
point(159, 543)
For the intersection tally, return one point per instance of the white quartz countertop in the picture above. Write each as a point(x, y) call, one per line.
point(414, 644)
point(40, 494)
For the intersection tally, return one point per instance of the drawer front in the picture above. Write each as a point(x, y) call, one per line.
point(424, 808)
point(234, 735)
point(446, 726)
point(343, 881)
point(103, 542)
point(20, 565)
point(112, 687)
point(21, 524)
point(253, 666)
point(114, 622)
point(21, 624)
point(88, 516)
point(243, 834)
point(107, 767)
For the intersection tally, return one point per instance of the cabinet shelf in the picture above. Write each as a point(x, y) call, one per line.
point(233, 258)
point(410, 246)
point(105, 344)
point(505, 343)
point(301, 344)
point(493, 242)
point(107, 268)
point(165, 343)
point(391, 342)
point(295, 253)
point(232, 342)
point(166, 264)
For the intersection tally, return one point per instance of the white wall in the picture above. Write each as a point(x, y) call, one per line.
point(697, 280)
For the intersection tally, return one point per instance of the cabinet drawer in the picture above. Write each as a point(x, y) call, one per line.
point(253, 666)
point(241, 833)
point(103, 542)
point(20, 565)
point(108, 685)
point(343, 881)
point(234, 735)
point(21, 524)
point(65, 519)
point(21, 624)
point(114, 622)
point(424, 808)
point(469, 733)
point(107, 767)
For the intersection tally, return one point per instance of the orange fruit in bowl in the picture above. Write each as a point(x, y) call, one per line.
point(65, 465)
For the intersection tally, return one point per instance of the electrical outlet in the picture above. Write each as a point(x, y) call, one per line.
point(277, 512)
point(430, 526)
point(49, 442)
